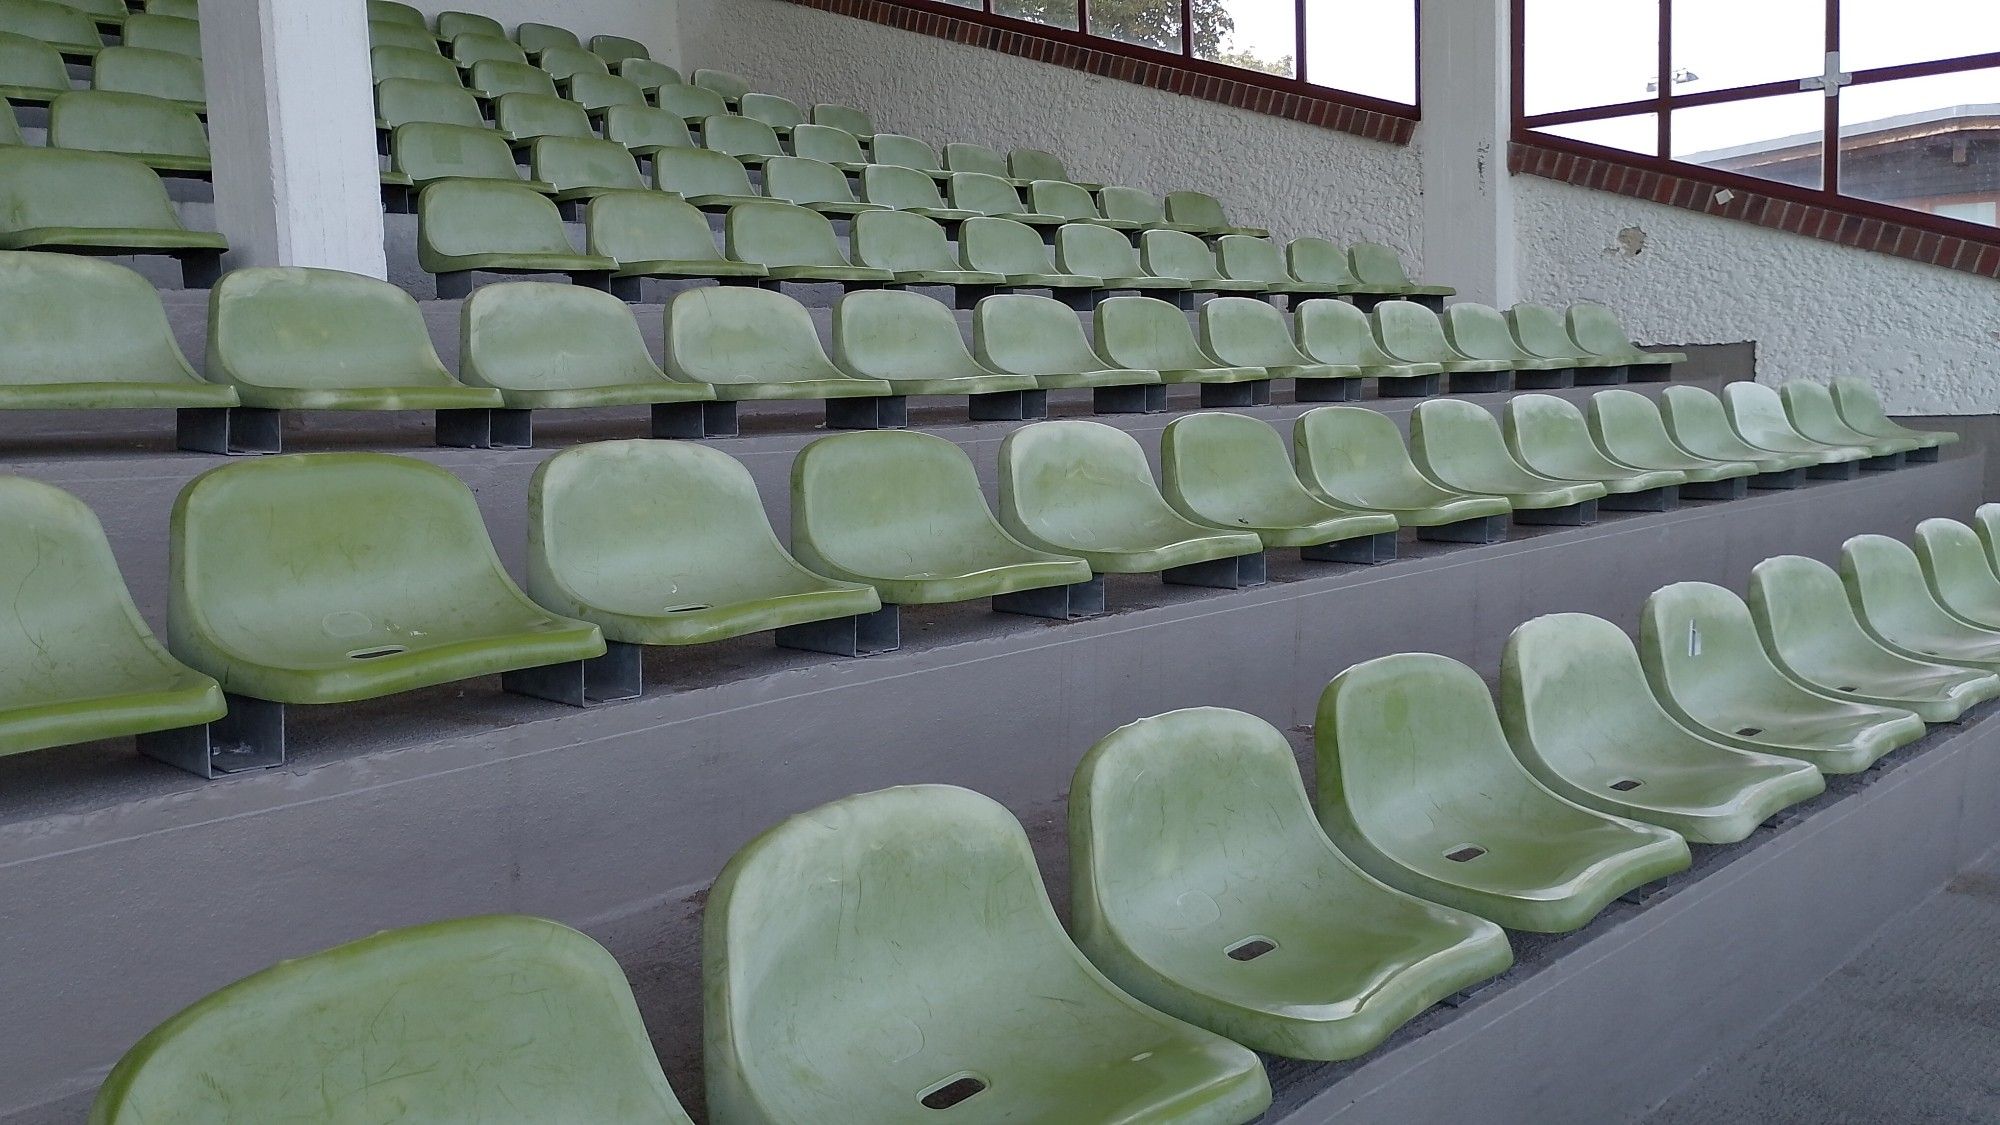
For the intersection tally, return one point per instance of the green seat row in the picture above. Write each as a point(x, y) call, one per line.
point(82, 202)
point(33, 72)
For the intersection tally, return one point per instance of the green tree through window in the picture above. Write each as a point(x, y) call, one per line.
point(1150, 23)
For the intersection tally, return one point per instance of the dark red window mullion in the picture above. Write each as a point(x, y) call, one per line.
point(1664, 87)
point(1830, 156)
point(1187, 28)
point(1299, 39)
point(1083, 16)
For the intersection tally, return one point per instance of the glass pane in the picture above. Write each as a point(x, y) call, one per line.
point(1148, 23)
point(1723, 43)
point(1639, 133)
point(1253, 34)
point(1583, 53)
point(1367, 46)
point(1890, 32)
point(1778, 138)
point(1055, 13)
point(1926, 143)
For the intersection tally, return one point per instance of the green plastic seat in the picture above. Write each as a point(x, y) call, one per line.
point(754, 344)
point(427, 152)
point(501, 1018)
point(1336, 332)
point(451, 25)
point(791, 243)
point(185, 9)
point(1810, 408)
point(1353, 457)
point(1861, 409)
point(912, 343)
point(599, 92)
point(1418, 787)
point(907, 152)
point(1379, 269)
point(1084, 489)
point(1696, 420)
point(90, 203)
point(524, 117)
point(1231, 471)
point(162, 33)
point(584, 167)
point(1031, 164)
point(691, 103)
point(164, 136)
point(987, 1008)
point(562, 61)
point(80, 663)
point(491, 78)
point(906, 189)
point(1239, 257)
point(1071, 201)
point(812, 184)
point(1459, 445)
point(903, 512)
point(390, 582)
point(162, 74)
point(780, 113)
point(617, 48)
point(1548, 435)
point(31, 71)
point(1411, 333)
point(561, 347)
point(960, 156)
point(652, 234)
point(466, 225)
point(1596, 330)
point(982, 194)
point(537, 38)
point(729, 86)
point(1480, 332)
point(830, 146)
point(1130, 204)
point(1896, 605)
point(10, 129)
point(1193, 208)
point(308, 339)
point(84, 334)
point(1321, 263)
point(648, 75)
point(1986, 523)
point(645, 130)
point(1957, 571)
point(472, 48)
point(405, 37)
point(1578, 712)
point(1202, 885)
point(1016, 252)
point(910, 246)
point(1757, 415)
point(845, 118)
point(67, 29)
point(708, 180)
point(389, 11)
point(1094, 250)
point(1539, 331)
point(400, 101)
point(1627, 426)
point(1022, 334)
point(666, 543)
point(1246, 332)
point(1709, 670)
point(1809, 629)
point(410, 62)
point(1153, 335)
point(1186, 258)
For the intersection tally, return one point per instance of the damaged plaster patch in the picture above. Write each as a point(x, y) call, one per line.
point(1631, 243)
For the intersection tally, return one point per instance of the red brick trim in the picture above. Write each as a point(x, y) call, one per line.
point(1325, 112)
point(1828, 224)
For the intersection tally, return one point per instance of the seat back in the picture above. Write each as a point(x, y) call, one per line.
point(772, 110)
point(1002, 246)
point(1336, 332)
point(1376, 264)
point(1860, 407)
point(488, 1017)
point(796, 179)
point(389, 11)
point(1461, 445)
point(426, 151)
point(1148, 334)
point(1131, 205)
point(102, 121)
point(647, 74)
point(1196, 209)
point(1758, 414)
point(573, 163)
point(46, 187)
point(891, 334)
point(1572, 688)
point(1596, 330)
point(137, 70)
point(1173, 253)
point(1034, 164)
point(779, 234)
point(1548, 434)
point(72, 319)
point(293, 327)
point(903, 189)
point(461, 217)
point(1479, 331)
point(731, 335)
point(1247, 332)
point(1700, 649)
point(1886, 583)
point(528, 116)
point(185, 9)
point(730, 86)
point(1060, 197)
point(595, 91)
point(538, 336)
point(1216, 461)
point(823, 142)
point(1244, 258)
point(644, 126)
point(896, 240)
point(58, 25)
point(162, 33)
point(451, 25)
point(1095, 251)
point(739, 136)
point(399, 101)
point(1022, 334)
point(1353, 454)
point(472, 48)
point(1697, 420)
point(1955, 566)
point(904, 152)
point(409, 62)
point(493, 77)
point(562, 60)
point(1628, 427)
point(861, 501)
point(403, 36)
point(1809, 406)
point(962, 157)
point(1802, 612)
point(700, 171)
point(845, 118)
point(10, 129)
point(31, 64)
point(540, 38)
point(988, 195)
point(1538, 330)
point(1408, 331)
point(617, 48)
point(692, 103)
point(648, 226)
point(1318, 261)
point(1081, 482)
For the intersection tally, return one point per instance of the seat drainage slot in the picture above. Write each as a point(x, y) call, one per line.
point(1749, 732)
point(952, 1091)
point(376, 653)
point(1465, 853)
point(1626, 785)
point(1249, 949)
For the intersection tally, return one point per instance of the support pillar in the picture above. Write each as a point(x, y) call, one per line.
point(1468, 195)
point(291, 121)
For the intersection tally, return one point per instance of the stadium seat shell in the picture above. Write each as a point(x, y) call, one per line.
point(1459, 445)
point(1809, 629)
point(165, 136)
point(1094, 250)
point(389, 11)
point(645, 130)
point(708, 180)
point(69, 30)
point(1039, 1035)
point(1032, 164)
point(1239, 257)
point(1154, 335)
point(1246, 332)
point(1420, 730)
point(1195, 208)
point(1231, 472)
point(792, 244)
point(1480, 332)
point(1709, 670)
point(1697, 423)
point(97, 203)
point(831, 146)
point(960, 156)
point(1016, 252)
point(845, 118)
point(908, 152)
point(427, 152)
point(31, 71)
point(485, 1017)
point(1353, 457)
point(1539, 331)
point(1578, 712)
point(161, 74)
point(910, 246)
point(1412, 333)
point(162, 33)
point(1130, 204)
point(1322, 264)
point(1861, 408)
point(491, 78)
point(692, 103)
point(1886, 583)
point(906, 189)
point(648, 75)
point(1022, 334)
point(1186, 258)
point(1294, 951)
point(1548, 435)
point(728, 86)
point(537, 38)
point(752, 344)
point(618, 48)
point(815, 185)
point(403, 36)
point(564, 61)
point(1627, 427)
point(599, 92)
point(652, 234)
point(1072, 202)
point(1809, 406)
point(781, 114)
point(1757, 415)
point(472, 48)
point(409, 62)
point(1379, 269)
point(1596, 330)
point(913, 344)
point(399, 101)
point(982, 194)
point(1957, 572)
point(451, 25)
point(468, 225)
point(584, 167)
point(1336, 332)
point(524, 117)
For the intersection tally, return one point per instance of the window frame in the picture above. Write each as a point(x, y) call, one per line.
point(1186, 59)
point(1664, 101)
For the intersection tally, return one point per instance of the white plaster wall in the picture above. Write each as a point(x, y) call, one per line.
point(649, 21)
point(1293, 178)
point(1929, 337)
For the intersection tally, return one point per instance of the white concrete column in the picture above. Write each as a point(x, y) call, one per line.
point(1468, 195)
point(291, 120)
